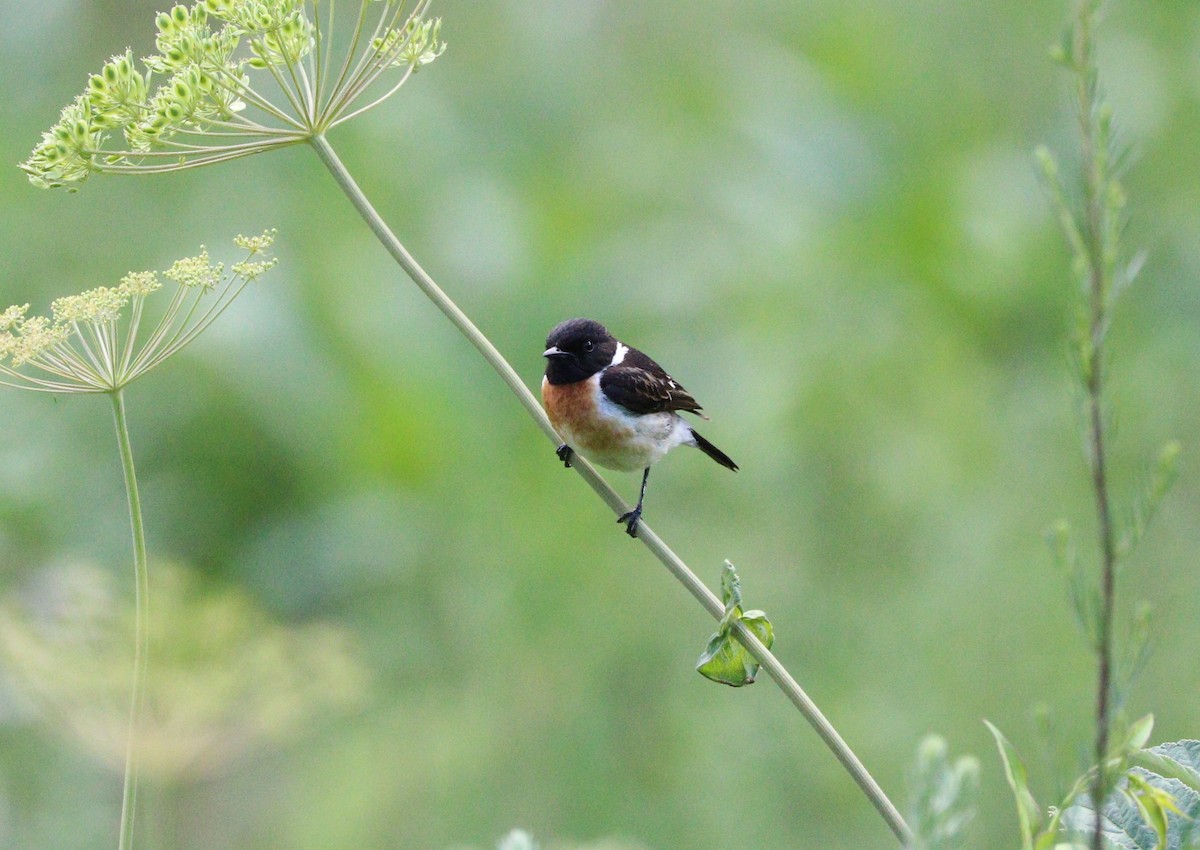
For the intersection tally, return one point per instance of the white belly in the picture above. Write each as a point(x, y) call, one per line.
point(620, 439)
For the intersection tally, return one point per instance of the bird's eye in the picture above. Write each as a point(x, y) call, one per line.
point(587, 346)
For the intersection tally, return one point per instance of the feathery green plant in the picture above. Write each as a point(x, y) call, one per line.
point(93, 344)
point(942, 796)
point(1091, 213)
point(1093, 228)
point(238, 77)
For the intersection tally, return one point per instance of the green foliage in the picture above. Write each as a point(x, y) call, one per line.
point(943, 797)
point(1157, 804)
point(1029, 813)
point(1154, 488)
point(1093, 217)
point(725, 660)
point(1143, 809)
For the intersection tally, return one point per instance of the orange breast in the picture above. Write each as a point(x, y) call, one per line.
point(569, 405)
point(573, 413)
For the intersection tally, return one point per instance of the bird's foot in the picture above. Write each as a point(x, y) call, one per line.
point(631, 520)
point(564, 453)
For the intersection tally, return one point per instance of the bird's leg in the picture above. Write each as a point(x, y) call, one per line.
point(631, 519)
point(564, 453)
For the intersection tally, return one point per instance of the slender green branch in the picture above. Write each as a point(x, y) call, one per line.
point(141, 623)
point(652, 541)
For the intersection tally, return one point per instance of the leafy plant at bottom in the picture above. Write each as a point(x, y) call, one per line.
point(1154, 803)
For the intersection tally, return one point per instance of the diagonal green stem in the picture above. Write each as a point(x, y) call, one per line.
point(652, 541)
point(141, 623)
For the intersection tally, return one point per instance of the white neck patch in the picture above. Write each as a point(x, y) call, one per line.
point(619, 354)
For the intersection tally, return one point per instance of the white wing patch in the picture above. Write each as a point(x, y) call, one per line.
point(619, 354)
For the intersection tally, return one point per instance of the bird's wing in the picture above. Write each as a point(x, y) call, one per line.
point(639, 384)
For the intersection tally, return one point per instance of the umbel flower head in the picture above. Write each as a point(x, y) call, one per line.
point(229, 680)
point(233, 78)
point(91, 341)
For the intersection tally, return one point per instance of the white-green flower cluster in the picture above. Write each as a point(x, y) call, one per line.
point(232, 78)
point(417, 44)
point(91, 344)
point(229, 680)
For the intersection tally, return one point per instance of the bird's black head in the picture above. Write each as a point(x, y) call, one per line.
point(577, 349)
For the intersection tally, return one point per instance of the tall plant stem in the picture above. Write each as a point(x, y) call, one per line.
point(1095, 164)
point(1107, 605)
point(141, 623)
point(651, 540)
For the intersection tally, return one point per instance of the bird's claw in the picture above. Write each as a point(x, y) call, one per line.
point(564, 453)
point(631, 521)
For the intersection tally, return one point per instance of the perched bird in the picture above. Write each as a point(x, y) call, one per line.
point(615, 405)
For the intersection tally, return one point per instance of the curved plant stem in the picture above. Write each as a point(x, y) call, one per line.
point(651, 540)
point(141, 623)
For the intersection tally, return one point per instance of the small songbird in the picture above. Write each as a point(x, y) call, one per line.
point(615, 405)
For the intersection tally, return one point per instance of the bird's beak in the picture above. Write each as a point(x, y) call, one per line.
point(554, 351)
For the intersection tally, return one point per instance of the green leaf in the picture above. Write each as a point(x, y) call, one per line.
point(731, 595)
point(757, 622)
point(1154, 488)
point(1029, 814)
point(1157, 806)
point(1178, 760)
point(1139, 732)
point(725, 660)
point(1153, 804)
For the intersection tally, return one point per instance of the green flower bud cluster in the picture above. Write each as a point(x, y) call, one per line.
point(117, 95)
point(185, 39)
point(414, 44)
point(288, 43)
point(205, 79)
point(67, 151)
point(280, 31)
point(196, 87)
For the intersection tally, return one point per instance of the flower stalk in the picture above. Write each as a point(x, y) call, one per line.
point(141, 627)
point(93, 344)
point(790, 687)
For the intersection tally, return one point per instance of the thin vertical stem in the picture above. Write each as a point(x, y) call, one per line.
point(1094, 156)
point(141, 623)
point(646, 535)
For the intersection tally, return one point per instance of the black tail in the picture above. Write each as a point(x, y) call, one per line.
point(713, 452)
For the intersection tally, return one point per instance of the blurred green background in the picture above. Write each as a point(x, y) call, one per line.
point(822, 216)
